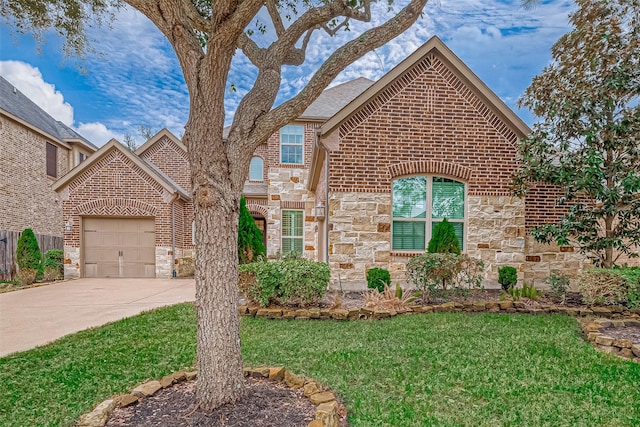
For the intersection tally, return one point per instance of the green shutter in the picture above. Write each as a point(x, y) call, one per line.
point(292, 229)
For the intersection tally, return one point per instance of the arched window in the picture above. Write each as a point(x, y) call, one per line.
point(255, 169)
point(419, 203)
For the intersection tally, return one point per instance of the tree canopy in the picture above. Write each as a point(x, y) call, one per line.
point(588, 142)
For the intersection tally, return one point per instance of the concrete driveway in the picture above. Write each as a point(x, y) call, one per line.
point(36, 316)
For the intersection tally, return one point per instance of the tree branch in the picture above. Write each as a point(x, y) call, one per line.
point(275, 17)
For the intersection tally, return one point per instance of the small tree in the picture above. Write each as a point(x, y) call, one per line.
point(378, 278)
point(250, 243)
point(588, 140)
point(444, 239)
point(28, 256)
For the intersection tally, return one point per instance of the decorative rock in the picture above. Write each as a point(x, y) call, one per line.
point(323, 397)
point(381, 314)
point(166, 381)
point(315, 423)
point(427, 309)
point(593, 335)
point(491, 305)
point(603, 322)
point(243, 310)
point(354, 313)
point(311, 388)
point(127, 400)
point(340, 314)
point(289, 314)
point(636, 349)
point(276, 374)
point(314, 313)
point(189, 376)
point(147, 389)
point(604, 340)
point(622, 343)
point(327, 414)
point(256, 372)
point(325, 313)
point(262, 312)
point(98, 417)
point(593, 327)
point(253, 311)
point(585, 312)
point(302, 313)
point(479, 306)
point(572, 311)
point(609, 349)
point(626, 353)
point(179, 376)
point(617, 309)
point(601, 311)
point(293, 380)
point(274, 313)
point(519, 304)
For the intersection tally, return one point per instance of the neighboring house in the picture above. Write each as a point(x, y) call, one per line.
point(35, 150)
point(358, 181)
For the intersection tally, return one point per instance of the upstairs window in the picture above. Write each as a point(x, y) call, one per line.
point(292, 229)
point(52, 160)
point(256, 169)
point(81, 157)
point(292, 144)
point(421, 202)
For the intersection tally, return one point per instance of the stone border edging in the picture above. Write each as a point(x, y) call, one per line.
point(612, 312)
point(622, 348)
point(327, 408)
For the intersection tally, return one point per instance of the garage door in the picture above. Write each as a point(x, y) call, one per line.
point(119, 247)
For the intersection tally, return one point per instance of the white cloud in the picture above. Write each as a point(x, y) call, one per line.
point(29, 80)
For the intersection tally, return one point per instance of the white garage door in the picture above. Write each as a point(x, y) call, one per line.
point(119, 247)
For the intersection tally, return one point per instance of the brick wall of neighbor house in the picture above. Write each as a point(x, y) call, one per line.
point(114, 186)
point(427, 122)
point(170, 159)
point(32, 204)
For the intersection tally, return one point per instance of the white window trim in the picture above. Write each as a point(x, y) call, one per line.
point(428, 220)
point(282, 236)
point(295, 145)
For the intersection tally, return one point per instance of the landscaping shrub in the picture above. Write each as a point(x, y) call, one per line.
point(250, 245)
point(433, 273)
point(378, 278)
point(632, 277)
point(389, 299)
point(28, 257)
point(529, 292)
point(603, 286)
point(444, 239)
point(53, 265)
point(507, 277)
point(285, 282)
point(186, 267)
point(558, 285)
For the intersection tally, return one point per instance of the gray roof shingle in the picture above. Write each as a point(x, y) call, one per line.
point(335, 99)
point(17, 104)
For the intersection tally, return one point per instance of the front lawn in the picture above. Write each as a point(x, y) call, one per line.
point(437, 369)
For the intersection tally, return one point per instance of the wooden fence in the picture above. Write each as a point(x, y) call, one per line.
point(8, 244)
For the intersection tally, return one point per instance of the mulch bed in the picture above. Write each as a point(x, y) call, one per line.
point(265, 404)
point(631, 333)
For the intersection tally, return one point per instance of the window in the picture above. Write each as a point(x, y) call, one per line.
point(81, 157)
point(291, 144)
point(421, 202)
point(292, 228)
point(255, 169)
point(52, 160)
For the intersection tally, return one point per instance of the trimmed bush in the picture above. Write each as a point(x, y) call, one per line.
point(53, 265)
point(507, 277)
point(434, 273)
point(602, 286)
point(250, 245)
point(558, 285)
point(28, 257)
point(295, 281)
point(444, 239)
point(632, 277)
point(378, 278)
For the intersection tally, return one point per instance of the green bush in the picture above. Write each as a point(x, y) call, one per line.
point(296, 281)
point(28, 253)
point(378, 278)
point(526, 291)
point(632, 277)
point(53, 265)
point(558, 285)
point(507, 277)
point(603, 286)
point(434, 273)
point(444, 239)
point(250, 245)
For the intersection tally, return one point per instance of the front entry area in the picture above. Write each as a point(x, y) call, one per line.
point(119, 247)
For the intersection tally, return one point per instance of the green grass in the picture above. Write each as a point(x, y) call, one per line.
point(439, 369)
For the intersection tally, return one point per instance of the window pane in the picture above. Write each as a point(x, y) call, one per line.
point(410, 197)
point(255, 169)
point(291, 143)
point(291, 244)
point(447, 199)
point(292, 223)
point(291, 154)
point(408, 235)
point(52, 160)
point(458, 227)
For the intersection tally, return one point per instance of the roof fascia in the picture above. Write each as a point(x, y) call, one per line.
point(35, 129)
point(317, 162)
point(81, 142)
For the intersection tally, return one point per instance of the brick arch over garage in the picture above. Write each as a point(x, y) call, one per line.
point(430, 167)
point(116, 207)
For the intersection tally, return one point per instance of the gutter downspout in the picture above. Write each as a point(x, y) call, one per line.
point(326, 203)
point(173, 235)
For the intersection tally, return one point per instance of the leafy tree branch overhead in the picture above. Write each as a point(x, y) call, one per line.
point(205, 36)
point(588, 142)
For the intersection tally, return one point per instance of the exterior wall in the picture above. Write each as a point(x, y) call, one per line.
point(114, 186)
point(171, 159)
point(24, 185)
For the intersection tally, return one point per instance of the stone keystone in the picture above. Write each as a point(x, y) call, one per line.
point(293, 380)
point(320, 398)
point(98, 417)
point(147, 389)
point(327, 414)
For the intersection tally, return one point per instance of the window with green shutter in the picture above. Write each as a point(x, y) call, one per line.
point(292, 232)
point(419, 203)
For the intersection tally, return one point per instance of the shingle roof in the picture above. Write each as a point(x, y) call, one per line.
point(17, 104)
point(336, 98)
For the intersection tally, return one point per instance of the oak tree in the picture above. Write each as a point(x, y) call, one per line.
point(205, 36)
point(588, 141)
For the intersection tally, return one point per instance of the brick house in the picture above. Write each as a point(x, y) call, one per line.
point(358, 181)
point(35, 150)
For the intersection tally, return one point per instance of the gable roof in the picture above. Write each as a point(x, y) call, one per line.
point(335, 99)
point(157, 137)
point(434, 44)
point(152, 170)
point(16, 105)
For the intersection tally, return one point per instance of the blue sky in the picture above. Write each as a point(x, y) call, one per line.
point(135, 79)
